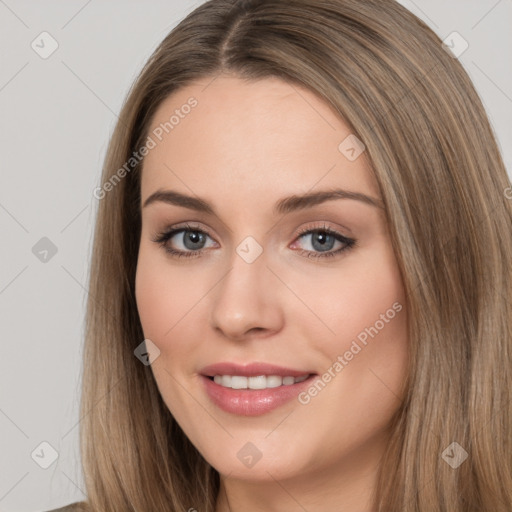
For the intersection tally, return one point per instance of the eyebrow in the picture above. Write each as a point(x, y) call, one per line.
point(283, 206)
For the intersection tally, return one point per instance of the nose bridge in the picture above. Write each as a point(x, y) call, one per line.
point(247, 267)
point(245, 298)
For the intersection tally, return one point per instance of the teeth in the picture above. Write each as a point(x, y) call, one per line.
point(259, 382)
point(238, 382)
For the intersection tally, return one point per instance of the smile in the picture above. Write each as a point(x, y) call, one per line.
point(266, 394)
point(257, 382)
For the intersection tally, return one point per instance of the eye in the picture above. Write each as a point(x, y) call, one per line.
point(323, 239)
point(191, 238)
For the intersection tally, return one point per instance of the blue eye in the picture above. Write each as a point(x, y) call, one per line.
point(193, 239)
point(323, 239)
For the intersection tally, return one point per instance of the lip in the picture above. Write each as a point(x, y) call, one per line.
point(251, 370)
point(252, 402)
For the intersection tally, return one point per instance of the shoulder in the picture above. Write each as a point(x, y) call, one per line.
point(79, 506)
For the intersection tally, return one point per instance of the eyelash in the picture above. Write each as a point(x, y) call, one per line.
point(163, 237)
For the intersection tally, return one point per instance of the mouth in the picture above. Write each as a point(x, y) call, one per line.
point(253, 389)
point(257, 382)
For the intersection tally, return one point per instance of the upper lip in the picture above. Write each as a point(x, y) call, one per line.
point(251, 370)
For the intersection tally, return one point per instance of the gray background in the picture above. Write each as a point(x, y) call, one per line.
point(57, 115)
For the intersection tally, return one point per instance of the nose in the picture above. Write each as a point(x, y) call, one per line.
point(248, 301)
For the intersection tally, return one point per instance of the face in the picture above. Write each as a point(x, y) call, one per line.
point(236, 270)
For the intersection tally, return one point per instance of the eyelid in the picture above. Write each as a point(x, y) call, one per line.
point(182, 226)
point(318, 226)
point(324, 226)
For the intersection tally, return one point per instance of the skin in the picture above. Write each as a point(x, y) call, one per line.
point(242, 148)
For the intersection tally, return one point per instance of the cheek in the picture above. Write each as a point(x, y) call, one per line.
point(163, 297)
point(153, 298)
point(364, 309)
point(353, 299)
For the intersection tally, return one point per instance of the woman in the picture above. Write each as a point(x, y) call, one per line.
point(300, 291)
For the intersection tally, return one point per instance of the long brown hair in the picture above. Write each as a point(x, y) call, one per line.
point(444, 186)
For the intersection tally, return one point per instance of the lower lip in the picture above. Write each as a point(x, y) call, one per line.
point(252, 402)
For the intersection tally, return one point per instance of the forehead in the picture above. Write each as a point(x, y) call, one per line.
point(231, 138)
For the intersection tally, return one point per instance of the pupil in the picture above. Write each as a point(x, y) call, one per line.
point(321, 239)
point(195, 239)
